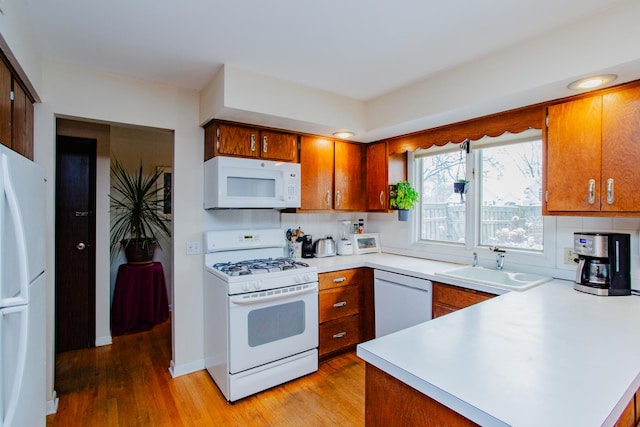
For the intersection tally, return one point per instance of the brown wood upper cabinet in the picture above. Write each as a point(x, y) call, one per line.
point(226, 139)
point(591, 154)
point(382, 169)
point(331, 174)
point(16, 114)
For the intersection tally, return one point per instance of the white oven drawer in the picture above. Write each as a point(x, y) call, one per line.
point(272, 326)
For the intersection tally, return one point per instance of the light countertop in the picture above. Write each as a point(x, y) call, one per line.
point(545, 356)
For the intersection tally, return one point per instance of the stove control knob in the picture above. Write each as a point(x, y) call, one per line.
point(257, 285)
point(307, 278)
point(297, 279)
point(246, 286)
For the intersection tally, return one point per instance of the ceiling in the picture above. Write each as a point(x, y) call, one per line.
point(361, 49)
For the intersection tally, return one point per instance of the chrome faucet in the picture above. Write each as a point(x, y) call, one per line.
point(499, 257)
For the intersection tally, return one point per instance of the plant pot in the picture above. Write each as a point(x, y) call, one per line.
point(460, 187)
point(403, 215)
point(139, 251)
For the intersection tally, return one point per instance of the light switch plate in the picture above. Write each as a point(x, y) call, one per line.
point(193, 247)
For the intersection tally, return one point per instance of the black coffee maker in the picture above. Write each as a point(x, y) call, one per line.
point(604, 263)
point(307, 246)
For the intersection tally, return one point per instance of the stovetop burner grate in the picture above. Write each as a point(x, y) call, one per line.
point(258, 266)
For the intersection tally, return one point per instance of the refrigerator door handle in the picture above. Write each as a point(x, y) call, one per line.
point(21, 245)
point(14, 390)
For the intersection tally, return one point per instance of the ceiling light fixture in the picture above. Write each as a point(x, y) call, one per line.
point(592, 82)
point(343, 134)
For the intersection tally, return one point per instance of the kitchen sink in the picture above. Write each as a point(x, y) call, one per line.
point(498, 278)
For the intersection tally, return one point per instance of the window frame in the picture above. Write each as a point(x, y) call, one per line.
point(463, 252)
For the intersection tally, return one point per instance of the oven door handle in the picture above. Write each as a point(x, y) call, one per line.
point(273, 294)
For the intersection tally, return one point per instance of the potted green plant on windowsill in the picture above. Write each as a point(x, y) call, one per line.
point(406, 197)
point(137, 220)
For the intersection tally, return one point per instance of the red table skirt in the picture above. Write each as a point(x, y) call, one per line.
point(140, 299)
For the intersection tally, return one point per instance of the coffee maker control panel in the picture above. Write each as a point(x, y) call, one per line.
point(590, 244)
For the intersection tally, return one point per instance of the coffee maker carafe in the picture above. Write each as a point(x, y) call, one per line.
point(604, 263)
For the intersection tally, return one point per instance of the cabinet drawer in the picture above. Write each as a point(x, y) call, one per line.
point(339, 302)
point(339, 334)
point(339, 278)
point(457, 297)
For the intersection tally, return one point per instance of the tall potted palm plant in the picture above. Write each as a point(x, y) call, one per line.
point(137, 220)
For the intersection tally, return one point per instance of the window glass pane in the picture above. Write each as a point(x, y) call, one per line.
point(443, 211)
point(511, 208)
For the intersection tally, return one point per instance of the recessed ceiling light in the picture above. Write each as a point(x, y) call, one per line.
point(344, 134)
point(592, 82)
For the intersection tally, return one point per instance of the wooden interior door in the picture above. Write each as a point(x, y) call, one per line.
point(621, 150)
point(74, 242)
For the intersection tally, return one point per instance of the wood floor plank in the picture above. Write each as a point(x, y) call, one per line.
point(128, 384)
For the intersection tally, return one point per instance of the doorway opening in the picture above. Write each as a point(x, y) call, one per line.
point(131, 145)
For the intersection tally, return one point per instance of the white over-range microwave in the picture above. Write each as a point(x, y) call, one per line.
point(234, 182)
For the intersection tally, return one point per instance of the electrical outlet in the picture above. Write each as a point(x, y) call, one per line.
point(569, 256)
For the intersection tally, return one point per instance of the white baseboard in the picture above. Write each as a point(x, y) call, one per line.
point(106, 340)
point(187, 368)
point(52, 405)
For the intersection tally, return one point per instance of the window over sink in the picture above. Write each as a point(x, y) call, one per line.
point(482, 193)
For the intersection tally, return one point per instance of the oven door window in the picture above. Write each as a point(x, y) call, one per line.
point(271, 330)
point(275, 323)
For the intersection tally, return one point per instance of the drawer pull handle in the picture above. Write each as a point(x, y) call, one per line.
point(340, 304)
point(340, 335)
point(339, 279)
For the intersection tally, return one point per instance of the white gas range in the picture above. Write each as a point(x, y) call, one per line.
point(261, 312)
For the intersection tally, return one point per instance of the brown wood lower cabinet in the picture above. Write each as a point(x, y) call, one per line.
point(345, 310)
point(448, 298)
point(391, 403)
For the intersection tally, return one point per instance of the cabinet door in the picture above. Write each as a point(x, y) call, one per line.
point(573, 155)
point(22, 122)
point(348, 177)
point(376, 172)
point(237, 141)
point(316, 164)
point(621, 151)
point(5, 105)
point(279, 146)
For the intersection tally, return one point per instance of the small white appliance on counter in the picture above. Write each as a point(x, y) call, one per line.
point(22, 291)
point(260, 312)
point(234, 182)
point(366, 243)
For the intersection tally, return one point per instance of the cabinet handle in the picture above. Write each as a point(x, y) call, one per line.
point(339, 279)
point(253, 142)
point(382, 199)
point(340, 335)
point(337, 198)
point(610, 191)
point(329, 198)
point(592, 191)
point(217, 138)
point(340, 304)
point(265, 144)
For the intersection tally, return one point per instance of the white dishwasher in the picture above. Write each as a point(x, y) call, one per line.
point(400, 301)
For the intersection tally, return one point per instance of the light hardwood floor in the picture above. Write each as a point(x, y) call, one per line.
point(128, 384)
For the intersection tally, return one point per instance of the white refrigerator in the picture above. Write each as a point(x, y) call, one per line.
point(22, 292)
